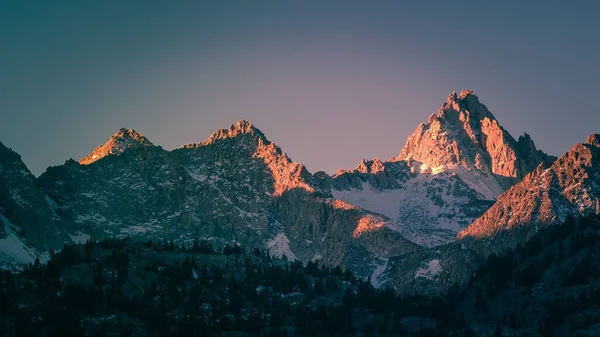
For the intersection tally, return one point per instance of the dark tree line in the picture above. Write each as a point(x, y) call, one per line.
point(128, 288)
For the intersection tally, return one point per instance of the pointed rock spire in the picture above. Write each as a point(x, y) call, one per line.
point(122, 140)
point(593, 139)
point(465, 134)
point(240, 128)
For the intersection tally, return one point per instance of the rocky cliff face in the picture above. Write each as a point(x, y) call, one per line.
point(568, 188)
point(123, 140)
point(28, 217)
point(465, 137)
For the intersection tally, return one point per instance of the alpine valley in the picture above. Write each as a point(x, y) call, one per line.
point(461, 189)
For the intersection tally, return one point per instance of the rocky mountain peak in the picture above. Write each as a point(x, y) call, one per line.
point(465, 135)
point(370, 166)
point(463, 107)
point(240, 128)
point(119, 142)
point(243, 141)
point(593, 139)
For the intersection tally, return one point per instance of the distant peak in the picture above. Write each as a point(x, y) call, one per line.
point(240, 128)
point(452, 97)
point(365, 166)
point(464, 133)
point(466, 93)
point(593, 139)
point(130, 134)
point(243, 124)
point(119, 142)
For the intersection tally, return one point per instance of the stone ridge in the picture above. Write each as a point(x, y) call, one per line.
point(241, 127)
point(570, 187)
point(245, 137)
point(122, 140)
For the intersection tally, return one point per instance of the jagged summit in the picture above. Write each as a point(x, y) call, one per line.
point(593, 139)
point(122, 140)
point(465, 136)
point(365, 166)
point(243, 141)
point(240, 128)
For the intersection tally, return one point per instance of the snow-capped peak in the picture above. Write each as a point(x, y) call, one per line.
point(122, 140)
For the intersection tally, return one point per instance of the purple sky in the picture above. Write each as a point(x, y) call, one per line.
point(331, 82)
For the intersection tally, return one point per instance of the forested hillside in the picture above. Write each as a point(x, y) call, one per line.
point(549, 287)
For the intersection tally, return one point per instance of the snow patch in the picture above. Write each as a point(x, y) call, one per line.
point(428, 209)
point(378, 272)
point(279, 246)
point(316, 257)
point(383, 202)
point(486, 187)
point(198, 177)
point(433, 268)
point(80, 237)
point(13, 247)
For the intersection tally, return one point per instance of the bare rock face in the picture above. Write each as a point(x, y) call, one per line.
point(28, 217)
point(247, 139)
point(465, 136)
point(122, 140)
point(337, 233)
point(593, 139)
point(568, 188)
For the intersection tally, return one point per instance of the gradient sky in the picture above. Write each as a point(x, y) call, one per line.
point(331, 82)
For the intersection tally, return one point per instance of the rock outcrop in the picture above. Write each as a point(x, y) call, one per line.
point(122, 140)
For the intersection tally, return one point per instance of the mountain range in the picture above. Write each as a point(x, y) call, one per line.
point(461, 189)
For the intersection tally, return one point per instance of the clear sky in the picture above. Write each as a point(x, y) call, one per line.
point(331, 82)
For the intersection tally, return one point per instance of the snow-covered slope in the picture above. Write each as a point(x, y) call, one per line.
point(14, 253)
